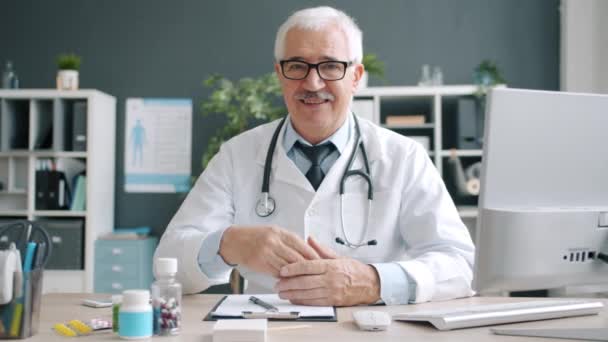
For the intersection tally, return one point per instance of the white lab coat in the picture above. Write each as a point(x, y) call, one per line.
point(413, 217)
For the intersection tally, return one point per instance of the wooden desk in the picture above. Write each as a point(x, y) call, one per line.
point(62, 308)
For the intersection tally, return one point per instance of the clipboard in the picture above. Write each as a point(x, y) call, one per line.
point(271, 316)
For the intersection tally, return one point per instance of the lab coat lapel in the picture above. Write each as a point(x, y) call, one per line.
point(283, 169)
point(331, 183)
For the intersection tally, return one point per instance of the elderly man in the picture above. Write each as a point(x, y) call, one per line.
point(348, 213)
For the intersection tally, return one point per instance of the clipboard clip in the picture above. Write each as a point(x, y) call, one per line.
point(292, 315)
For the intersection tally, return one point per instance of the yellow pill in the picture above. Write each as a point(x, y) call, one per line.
point(63, 330)
point(80, 327)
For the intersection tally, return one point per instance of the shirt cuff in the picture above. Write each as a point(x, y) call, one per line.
point(209, 259)
point(396, 286)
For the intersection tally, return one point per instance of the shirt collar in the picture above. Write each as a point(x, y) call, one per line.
point(339, 138)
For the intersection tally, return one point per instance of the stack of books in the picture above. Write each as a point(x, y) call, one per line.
point(405, 120)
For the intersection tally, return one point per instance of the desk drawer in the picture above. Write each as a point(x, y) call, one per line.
point(115, 252)
point(118, 271)
point(117, 286)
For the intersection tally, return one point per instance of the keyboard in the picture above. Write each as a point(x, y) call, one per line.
point(481, 315)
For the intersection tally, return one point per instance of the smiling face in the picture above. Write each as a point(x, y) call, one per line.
point(318, 107)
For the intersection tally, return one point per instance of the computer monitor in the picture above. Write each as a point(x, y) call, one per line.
point(543, 205)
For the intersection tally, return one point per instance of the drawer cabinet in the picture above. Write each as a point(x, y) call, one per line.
point(123, 264)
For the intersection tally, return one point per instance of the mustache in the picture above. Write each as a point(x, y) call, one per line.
point(321, 95)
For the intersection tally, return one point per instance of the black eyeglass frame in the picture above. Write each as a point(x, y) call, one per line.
point(313, 66)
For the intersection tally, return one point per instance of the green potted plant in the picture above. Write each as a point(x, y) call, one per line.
point(485, 76)
point(373, 66)
point(244, 103)
point(67, 76)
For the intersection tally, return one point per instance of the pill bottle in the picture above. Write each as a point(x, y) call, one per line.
point(135, 315)
point(166, 297)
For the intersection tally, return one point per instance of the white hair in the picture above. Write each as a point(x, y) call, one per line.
point(318, 18)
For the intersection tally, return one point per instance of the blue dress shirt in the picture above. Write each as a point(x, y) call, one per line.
point(396, 287)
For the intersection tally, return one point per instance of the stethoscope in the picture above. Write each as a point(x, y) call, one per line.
point(266, 204)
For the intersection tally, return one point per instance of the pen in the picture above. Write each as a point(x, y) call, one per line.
point(258, 301)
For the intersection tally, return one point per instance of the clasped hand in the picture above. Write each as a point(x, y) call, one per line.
point(308, 273)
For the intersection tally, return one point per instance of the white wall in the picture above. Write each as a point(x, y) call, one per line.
point(584, 45)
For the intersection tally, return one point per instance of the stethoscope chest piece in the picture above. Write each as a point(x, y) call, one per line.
point(265, 206)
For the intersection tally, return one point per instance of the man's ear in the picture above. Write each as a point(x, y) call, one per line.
point(277, 70)
point(357, 75)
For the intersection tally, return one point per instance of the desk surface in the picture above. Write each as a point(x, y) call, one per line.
point(58, 308)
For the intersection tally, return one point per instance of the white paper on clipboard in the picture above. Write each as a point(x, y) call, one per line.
point(235, 305)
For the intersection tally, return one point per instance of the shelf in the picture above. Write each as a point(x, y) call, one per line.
point(467, 211)
point(59, 213)
point(43, 154)
point(463, 153)
point(41, 94)
point(12, 192)
point(48, 125)
point(13, 213)
point(15, 153)
point(405, 91)
point(418, 126)
point(58, 154)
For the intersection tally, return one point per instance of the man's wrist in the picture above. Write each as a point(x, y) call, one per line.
point(226, 247)
point(374, 288)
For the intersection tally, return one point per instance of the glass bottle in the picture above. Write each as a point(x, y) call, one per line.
point(437, 76)
point(166, 297)
point(9, 77)
point(425, 76)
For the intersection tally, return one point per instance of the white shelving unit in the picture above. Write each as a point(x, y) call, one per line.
point(27, 117)
point(377, 102)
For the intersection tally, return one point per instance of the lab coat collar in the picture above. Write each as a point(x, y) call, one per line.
point(289, 172)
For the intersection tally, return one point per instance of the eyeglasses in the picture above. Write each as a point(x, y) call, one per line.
point(328, 70)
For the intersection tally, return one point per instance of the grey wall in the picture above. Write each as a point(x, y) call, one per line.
point(153, 48)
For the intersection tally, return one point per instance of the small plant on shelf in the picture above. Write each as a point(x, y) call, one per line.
point(373, 65)
point(68, 62)
point(485, 76)
point(67, 76)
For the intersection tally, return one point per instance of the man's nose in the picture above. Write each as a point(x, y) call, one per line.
point(313, 82)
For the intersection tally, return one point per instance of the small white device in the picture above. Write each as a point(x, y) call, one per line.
point(97, 303)
point(372, 320)
point(481, 315)
point(10, 262)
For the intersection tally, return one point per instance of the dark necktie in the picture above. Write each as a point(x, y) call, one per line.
point(316, 155)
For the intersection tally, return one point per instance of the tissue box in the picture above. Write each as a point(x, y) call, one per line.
point(240, 330)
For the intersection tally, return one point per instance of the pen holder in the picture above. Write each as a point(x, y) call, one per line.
point(19, 318)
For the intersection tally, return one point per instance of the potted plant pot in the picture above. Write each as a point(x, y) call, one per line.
point(67, 80)
point(67, 76)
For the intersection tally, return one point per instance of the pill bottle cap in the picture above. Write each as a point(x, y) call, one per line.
point(165, 266)
point(135, 298)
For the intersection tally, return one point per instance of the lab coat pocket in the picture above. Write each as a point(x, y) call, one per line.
point(381, 225)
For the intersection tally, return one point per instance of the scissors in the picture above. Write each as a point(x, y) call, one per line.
point(22, 232)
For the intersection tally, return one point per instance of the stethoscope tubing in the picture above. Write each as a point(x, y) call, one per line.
point(266, 205)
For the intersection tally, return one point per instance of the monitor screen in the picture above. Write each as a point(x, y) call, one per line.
point(543, 205)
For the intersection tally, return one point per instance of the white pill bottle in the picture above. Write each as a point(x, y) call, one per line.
point(135, 315)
